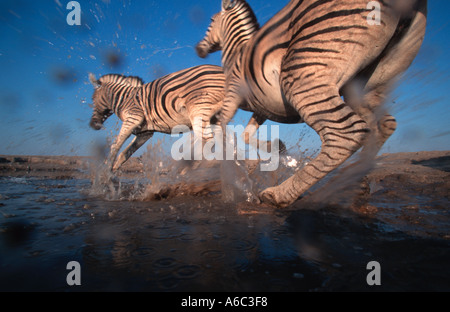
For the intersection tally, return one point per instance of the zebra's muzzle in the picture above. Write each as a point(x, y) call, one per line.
point(202, 50)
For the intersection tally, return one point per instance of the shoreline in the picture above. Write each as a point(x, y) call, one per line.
point(57, 167)
point(30, 165)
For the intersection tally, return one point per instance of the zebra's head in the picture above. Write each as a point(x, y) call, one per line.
point(109, 91)
point(233, 25)
point(101, 104)
point(213, 39)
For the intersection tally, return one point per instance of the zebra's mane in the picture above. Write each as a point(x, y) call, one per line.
point(132, 81)
point(250, 12)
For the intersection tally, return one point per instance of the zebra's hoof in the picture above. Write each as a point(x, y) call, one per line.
point(272, 197)
point(282, 147)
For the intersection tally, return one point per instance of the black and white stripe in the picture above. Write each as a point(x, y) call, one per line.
point(298, 66)
point(190, 97)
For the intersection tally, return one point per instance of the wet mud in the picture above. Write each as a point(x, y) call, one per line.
point(164, 233)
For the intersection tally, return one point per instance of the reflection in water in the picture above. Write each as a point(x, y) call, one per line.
point(179, 247)
point(198, 243)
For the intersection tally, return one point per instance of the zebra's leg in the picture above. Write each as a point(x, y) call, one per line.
point(354, 96)
point(341, 131)
point(202, 132)
point(386, 127)
point(350, 186)
point(370, 106)
point(383, 124)
point(231, 102)
point(125, 132)
point(137, 142)
point(395, 61)
point(253, 125)
point(201, 112)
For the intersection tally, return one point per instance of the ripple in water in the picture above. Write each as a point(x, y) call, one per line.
point(164, 233)
point(143, 252)
point(219, 236)
point(241, 264)
point(165, 263)
point(187, 237)
point(242, 245)
point(213, 254)
point(187, 271)
point(168, 283)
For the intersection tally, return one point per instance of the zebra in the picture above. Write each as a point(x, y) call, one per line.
point(319, 62)
point(190, 97)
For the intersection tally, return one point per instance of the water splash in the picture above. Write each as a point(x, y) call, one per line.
point(104, 183)
point(156, 175)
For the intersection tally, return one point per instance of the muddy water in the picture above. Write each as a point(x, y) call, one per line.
point(126, 240)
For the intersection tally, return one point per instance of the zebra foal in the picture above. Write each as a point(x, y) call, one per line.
point(299, 64)
point(189, 97)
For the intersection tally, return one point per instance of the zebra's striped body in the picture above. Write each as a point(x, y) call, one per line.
point(297, 67)
point(190, 97)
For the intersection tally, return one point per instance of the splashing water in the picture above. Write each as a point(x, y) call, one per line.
point(156, 175)
point(236, 184)
point(104, 183)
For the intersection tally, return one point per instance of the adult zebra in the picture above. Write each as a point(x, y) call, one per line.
point(190, 97)
point(297, 67)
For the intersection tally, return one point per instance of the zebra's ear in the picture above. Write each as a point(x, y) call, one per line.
point(94, 81)
point(228, 4)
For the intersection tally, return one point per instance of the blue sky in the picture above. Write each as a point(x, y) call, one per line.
point(45, 94)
